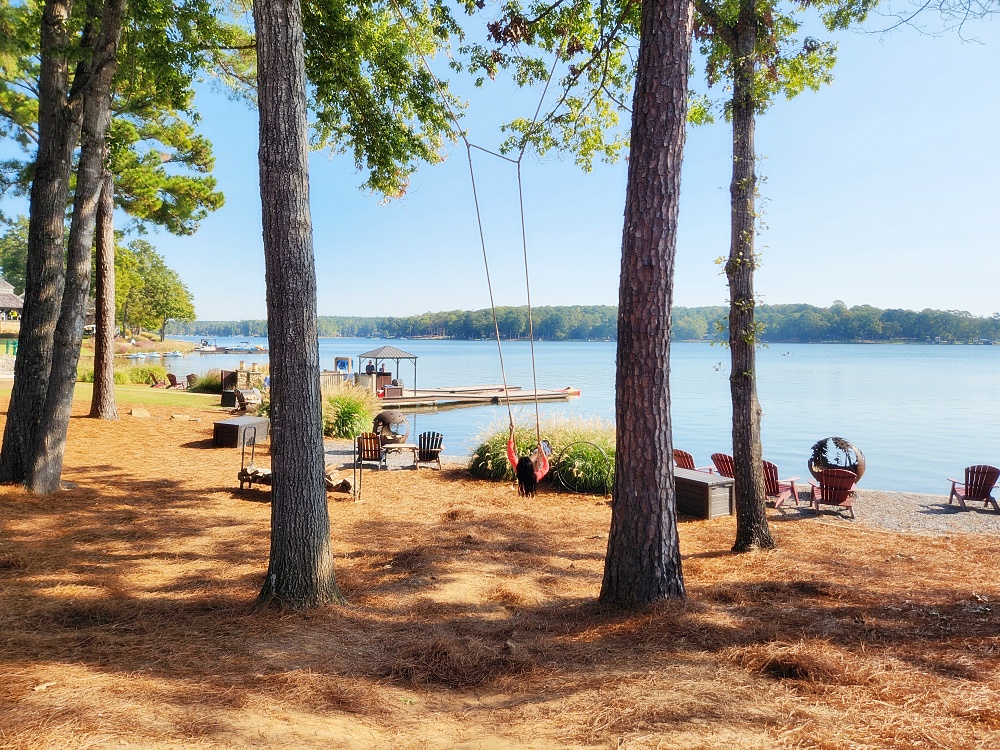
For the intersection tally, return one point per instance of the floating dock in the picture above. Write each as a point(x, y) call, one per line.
point(471, 395)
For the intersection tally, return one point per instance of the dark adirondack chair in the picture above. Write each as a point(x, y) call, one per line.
point(684, 460)
point(368, 449)
point(979, 483)
point(836, 487)
point(247, 399)
point(776, 489)
point(175, 383)
point(429, 447)
point(724, 464)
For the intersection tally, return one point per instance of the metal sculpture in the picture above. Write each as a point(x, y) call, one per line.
point(836, 453)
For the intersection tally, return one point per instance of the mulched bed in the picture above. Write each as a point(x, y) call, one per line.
point(472, 622)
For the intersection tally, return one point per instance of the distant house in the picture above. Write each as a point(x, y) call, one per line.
point(10, 303)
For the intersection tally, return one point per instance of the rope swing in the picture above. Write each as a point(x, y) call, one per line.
point(532, 468)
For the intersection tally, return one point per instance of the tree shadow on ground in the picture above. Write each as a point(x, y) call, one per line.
point(128, 579)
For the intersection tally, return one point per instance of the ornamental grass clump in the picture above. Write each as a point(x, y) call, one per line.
point(583, 451)
point(210, 382)
point(86, 375)
point(147, 374)
point(348, 411)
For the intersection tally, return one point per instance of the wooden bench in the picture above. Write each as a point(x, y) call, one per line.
point(703, 495)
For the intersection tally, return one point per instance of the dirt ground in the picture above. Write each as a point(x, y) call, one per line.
point(128, 620)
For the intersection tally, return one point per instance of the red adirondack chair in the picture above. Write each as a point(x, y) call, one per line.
point(684, 460)
point(776, 489)
point(836, 487)
point(724, 464)
point(979, 482)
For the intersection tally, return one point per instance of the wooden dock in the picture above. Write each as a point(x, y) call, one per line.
point(472, 395)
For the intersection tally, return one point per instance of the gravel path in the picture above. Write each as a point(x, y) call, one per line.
point(890, 511)
point(903, 511)
point(340, 455)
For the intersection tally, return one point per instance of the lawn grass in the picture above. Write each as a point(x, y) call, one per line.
point(139, 394)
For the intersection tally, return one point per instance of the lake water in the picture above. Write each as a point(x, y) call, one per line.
point(919, 413)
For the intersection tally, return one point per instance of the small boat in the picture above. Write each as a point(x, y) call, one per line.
point(137, 355)
point(208, 346)
point(153, 355)
point(174, 353)
point(241, 348)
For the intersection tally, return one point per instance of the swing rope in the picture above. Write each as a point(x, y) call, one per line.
point(489, 283)
point(479, 220)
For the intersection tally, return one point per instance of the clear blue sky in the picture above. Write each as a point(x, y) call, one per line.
point(881, 189)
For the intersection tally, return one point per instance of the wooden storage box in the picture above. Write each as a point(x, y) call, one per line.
point(230, 433)
point(703, 495)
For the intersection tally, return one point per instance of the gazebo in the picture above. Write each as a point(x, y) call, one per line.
point(386, 353)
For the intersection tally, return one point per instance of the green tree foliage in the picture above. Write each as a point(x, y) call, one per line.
point(160, 165)
point(369, 92)
point(161, 171)
point(594, 44)
point(148, 294)
point(14, 253)
point(794, 323)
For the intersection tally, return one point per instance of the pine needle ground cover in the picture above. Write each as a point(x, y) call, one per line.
point(127, 620)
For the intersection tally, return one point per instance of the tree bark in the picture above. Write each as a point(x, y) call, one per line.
point(43, 288)
point(46, 468)
point(752, 531)
point(300, 570)
point(643, 563)
point(102, 404)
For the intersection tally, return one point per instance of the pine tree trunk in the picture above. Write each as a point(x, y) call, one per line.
point(102, 404)
point(43, 287)
point(752, 531)
point(46, 468)
point(300, 571)
point(643, 563)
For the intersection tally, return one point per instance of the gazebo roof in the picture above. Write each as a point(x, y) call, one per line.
point(9, 301)
point(387, 352)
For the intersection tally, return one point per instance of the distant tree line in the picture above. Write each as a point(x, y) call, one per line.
point(782, 323)
point(549, 323)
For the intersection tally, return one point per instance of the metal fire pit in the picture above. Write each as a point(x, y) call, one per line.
point(836, 453)
point(391, 427)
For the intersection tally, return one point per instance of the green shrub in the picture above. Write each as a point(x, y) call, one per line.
point(210, 382)
point(585, 467)
point(489, 460)
point(348, 411)
point(583, 452)
point(142, 375)
point(147, 374)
